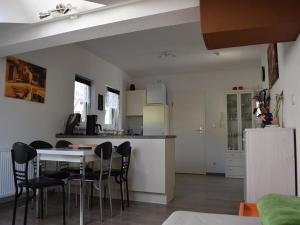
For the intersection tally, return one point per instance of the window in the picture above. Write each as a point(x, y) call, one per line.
point(112, 107)
point(82, 97)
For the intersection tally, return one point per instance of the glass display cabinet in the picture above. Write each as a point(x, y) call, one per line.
point(239, 116)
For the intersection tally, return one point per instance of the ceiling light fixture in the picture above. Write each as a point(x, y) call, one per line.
point(216, 53)
point(60, 9)
point(166, 54)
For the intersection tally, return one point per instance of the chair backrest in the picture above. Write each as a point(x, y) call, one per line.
point(124, 150)
point(62, 144)
point(104, 151)
point(21, 154)
point(40, 145)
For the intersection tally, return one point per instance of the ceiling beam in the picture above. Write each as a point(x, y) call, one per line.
point(139, 15)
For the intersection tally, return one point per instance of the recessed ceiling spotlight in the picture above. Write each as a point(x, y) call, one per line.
point(216, 53)
point(166, 54)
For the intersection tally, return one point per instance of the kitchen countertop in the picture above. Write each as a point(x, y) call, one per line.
point(116, 136)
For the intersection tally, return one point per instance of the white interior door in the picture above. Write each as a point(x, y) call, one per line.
point(188, 124)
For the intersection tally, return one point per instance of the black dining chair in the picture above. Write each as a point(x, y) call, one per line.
point(99, 179)
point(47, 173)
point(65, 166)
point(121, 175)
point(62, 144)
point(62, 175)
point(21, 155)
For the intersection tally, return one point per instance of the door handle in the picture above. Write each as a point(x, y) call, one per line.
point(200, 130)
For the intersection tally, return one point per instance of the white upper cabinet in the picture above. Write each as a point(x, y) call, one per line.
point(135, 102)
point(156, 93)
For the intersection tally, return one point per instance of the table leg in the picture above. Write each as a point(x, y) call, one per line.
point(82, 190)
point(37, 202)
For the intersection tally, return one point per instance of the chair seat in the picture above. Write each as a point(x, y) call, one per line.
point(76, 170)
point(89, 177)
point(56, 174)
point(42, 182)
point(115, 172)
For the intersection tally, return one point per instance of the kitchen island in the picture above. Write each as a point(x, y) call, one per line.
point(152, 166)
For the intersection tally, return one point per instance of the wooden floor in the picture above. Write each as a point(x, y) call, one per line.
point(210, 194)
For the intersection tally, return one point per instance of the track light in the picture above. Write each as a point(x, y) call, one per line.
point(59, 9)
point(44, 15)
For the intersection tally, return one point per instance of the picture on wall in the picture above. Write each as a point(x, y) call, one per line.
point(25, 80)
point(273, 64)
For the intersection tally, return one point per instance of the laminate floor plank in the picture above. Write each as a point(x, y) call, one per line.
point(211, 194)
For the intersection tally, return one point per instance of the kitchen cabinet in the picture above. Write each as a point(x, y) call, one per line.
point(156, 93)
point(239, 116)
point(270, 162)
point(156, 119)
point(135, 102)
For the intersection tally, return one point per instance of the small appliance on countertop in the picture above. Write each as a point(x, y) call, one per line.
point(92, 128)
point(72, 122)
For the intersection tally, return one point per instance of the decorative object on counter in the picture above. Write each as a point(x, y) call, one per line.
point(121, 132)
point(118, 133)
point(100, 102)
point(132, 87)
point(266, 117)
point(279, 99)
point(25, 80)
point(262, 109)
point(273, 64)
point(235, 88)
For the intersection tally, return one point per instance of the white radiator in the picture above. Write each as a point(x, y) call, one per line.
point(7, 187)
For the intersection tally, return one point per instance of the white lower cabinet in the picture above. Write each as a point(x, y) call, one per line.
point(270, 162)
point(235, 165)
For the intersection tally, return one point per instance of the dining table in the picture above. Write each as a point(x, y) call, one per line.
point(80, 156)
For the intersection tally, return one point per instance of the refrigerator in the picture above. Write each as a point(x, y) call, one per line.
point(156, 119)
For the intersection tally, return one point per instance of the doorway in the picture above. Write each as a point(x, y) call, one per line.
point(188, 124)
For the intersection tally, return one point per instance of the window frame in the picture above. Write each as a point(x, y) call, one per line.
point(114, 121)
point(88, 82)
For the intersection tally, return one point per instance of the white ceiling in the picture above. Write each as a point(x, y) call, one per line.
point(137, 53)
point(117, 19)
point(27, 11)
point(107, 2)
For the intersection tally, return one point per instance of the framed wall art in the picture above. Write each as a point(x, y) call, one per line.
point(25, 80)
point(273, 64)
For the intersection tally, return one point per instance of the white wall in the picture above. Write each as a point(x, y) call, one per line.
point(289, 80)
point(214, 84)
point(27, 121)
